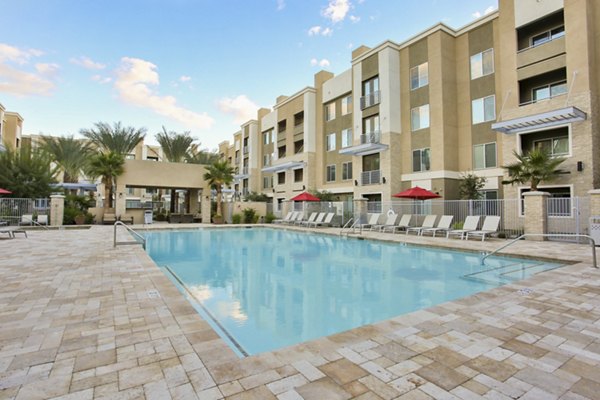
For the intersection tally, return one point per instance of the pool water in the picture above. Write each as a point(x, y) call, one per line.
point(263, 289)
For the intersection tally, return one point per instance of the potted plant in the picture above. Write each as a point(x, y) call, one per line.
point(217, 219)
point(79, 219)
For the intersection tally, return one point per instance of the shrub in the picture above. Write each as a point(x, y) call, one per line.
point(269, 218)
point(254, 196)
point(236, 218)
point(255, 218)
point(249, 214)
point(458, 225)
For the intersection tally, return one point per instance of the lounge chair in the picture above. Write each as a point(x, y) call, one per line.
point(297, 218)
point(285, 219)
point(10, 231)
point(310, 219)
point(175, 218)
point(109, 219)
point(490, 226)
point(127, 219)
point(429, 222)
point(326, 221)
point(373, 220)
point(443, 226)
point(26, 219)
point(402, 225)
point(390, 221)
point(42, 219)
point(320, 218)
point(185, 218)
point(470, 225)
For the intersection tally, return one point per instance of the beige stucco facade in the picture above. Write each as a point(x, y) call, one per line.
point(11, 129)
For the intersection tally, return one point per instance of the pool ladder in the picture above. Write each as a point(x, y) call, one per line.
point(139, 238)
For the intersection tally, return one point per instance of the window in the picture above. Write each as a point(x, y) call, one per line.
point(548, 36)
point(281, 152)
point(419, 117)
point(298, 175)
point(266, 137)
point(282, 126)
point(273, 134)
point(484, 109)
point(549, 91)
point(152, 158)
point(266, 160)
point(329, 111)
point(281, 178)
point(347, 137)
point(482, 64)
point(421, 160)
point(298, 146)
point(419, 76)
point(130, 156)
point(267, 182)
point(347, 171)
point(299, 118)
point(331, 142)
point(370, 91)
point(558, 146)
point(330, 173)
point(346, 105)
point(371, 162)
point(484, 156)
point(371, 124)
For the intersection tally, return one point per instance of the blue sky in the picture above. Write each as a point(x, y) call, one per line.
point(198, 65)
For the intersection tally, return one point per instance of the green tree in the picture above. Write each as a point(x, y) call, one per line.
point(117, 138)
point(218, 174)
point(27, 173)
point(70, 154)
point(470, 186)
point(323, 195)
point(108, 166)
point(533, 167)
point(175, 146)
point(202, 157)
point(254, 196)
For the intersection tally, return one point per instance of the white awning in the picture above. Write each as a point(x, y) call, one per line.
point(539, 121)
point(284, 166)
point(364, 149)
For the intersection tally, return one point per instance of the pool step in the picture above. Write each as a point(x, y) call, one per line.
point(508, 273)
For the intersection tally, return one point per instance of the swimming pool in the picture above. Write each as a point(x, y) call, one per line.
point(263, 289)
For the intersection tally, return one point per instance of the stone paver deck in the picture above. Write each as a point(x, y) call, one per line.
point(79, 320)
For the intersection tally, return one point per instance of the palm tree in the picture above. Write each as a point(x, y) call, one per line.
point(175, 146)
point(26, 173)
point(533, 167)
point(218, 174)
point(202, 157)
point(108, 166)
point(70, 154)
point(117, 139)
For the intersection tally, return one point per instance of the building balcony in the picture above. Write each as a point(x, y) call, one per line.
point(371, 137)
point(370, 100)
point(370, 177)
point(370, 143)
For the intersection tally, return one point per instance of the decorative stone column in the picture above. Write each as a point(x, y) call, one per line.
point(194, 206)
point(536, 214)
point(57, 209)
point(594, 202)
point(360, 209)
point(120, 200)
point(205, 206)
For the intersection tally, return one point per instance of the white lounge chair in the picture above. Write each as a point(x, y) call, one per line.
point(490, 226)
point(320, 218)
point(26, 219)
point(42, 219)
point(390, 221)
point(429, 222)
point(470, 225)
point(402, 225)
point(311, 218)
point(326, 221)
point(299, 216)
point(373, 219)
point(443, 226)
point(10, 231)
point(286, 218)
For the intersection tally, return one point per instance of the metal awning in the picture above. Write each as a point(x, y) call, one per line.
point(364, 149)
point(90, 187)
point(284, 166)
point(543, 120)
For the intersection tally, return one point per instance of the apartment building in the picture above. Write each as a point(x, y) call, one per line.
point(11, 128)
point(441, 104)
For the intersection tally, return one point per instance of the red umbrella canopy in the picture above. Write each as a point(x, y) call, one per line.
point(4, 191)
point(305, 196)
point(417, 193)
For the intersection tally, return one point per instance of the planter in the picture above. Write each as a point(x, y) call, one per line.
point(217, 219)
point(79, 219)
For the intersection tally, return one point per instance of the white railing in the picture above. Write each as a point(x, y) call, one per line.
point(370, 177)
point(139, 238)
point(370, 137)
point(370, 100)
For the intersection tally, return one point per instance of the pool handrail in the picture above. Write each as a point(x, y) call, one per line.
point(141, 238)
point(577, 235)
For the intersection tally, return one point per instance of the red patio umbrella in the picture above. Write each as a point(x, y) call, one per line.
point(305, 196)
point(4, 191)
point(417, 193)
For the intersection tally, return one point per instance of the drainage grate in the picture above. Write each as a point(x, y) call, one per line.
point(153, 294)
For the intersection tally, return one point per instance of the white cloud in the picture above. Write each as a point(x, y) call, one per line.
point(321, 63)
point(23, 80)
point(101, 79)
point(319, 30)
point(336, 10)
point(354, 18)
point(280, 5)
point(87, 63)
point(479, 14)
point(185, 78)
point(241, 107)
point(135, 81)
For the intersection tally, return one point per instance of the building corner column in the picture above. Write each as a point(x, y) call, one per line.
point(536, 214)
point(57, 209)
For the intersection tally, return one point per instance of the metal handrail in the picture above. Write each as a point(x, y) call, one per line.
point(137, 235)
point(591, 240)
point(346, 225)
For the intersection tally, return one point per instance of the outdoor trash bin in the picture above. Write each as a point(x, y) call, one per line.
point(148, 216)
point(595, 229)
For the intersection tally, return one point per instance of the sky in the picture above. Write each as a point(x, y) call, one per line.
point(203, 66)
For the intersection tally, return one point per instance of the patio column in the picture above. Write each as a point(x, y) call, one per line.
point(205, 206)
point(594, 202)
point(120, 200)
point(360, 209)
point(57, 209)
point(194, 206)
point(536, 214)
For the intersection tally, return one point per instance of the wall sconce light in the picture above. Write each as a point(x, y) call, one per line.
point(355, 182)
point(383, 179)
point(120, 195)
point(579, 166)
point(303, 187)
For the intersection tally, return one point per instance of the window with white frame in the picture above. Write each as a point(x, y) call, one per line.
point(419, 117)
point(558, 146)
point(266, 137)
point(266, 160)
point(329, 111)
point(483, 109)
point(484, 156)
point(547, 36)
point(331, 142)
point(347, 105)
point(419, 76)
point(482, 64)
point(273, 135)
point(548, 91)
point(347, 171)
point(330, 173)
point(347, 137)
point(267, 182)
point(421, 160)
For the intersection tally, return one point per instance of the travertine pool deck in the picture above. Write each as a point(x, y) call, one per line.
point(82, 320)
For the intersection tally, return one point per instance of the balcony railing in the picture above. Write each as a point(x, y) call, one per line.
point(370, 137)
point(245, 150)
point(370, 100)
point(370, 177)
point(245, 171)
point(237, 160)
